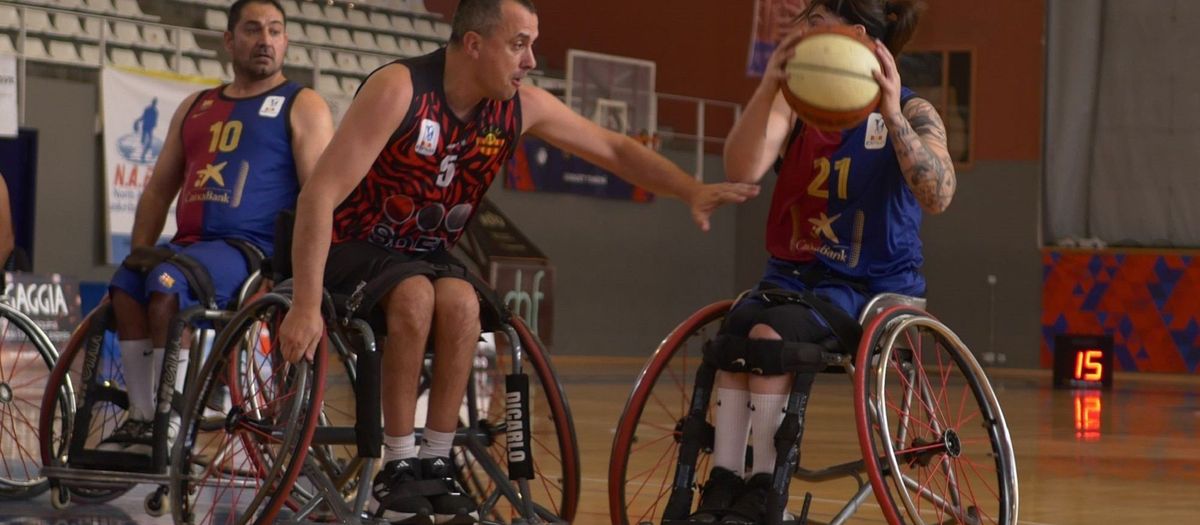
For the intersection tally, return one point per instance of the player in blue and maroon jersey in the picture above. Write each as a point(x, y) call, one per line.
point(401, 178)
point(236, 155)
point(844, 222)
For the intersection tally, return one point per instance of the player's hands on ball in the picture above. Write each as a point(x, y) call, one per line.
point(776, 72)
point(888, 78)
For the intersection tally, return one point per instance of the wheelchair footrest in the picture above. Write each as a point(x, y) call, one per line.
point(114, 461)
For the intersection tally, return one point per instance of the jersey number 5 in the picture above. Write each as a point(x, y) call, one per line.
point(818, 188)
point(446, 174)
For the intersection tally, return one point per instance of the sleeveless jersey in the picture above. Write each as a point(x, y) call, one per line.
point(842, 199)
point(240, 172)
point(428, 180)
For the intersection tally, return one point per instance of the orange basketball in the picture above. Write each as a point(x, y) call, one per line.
point(829, 82)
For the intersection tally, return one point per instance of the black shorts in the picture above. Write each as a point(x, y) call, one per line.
point(360, 274)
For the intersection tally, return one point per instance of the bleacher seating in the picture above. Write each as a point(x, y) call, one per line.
point(343, 41)
point(123, 57)
point(154, 61)
point(89, 54)
point(10, 18)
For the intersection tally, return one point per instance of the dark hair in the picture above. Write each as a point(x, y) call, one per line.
point(235, 11)
point(891, 21)
point(479, 16)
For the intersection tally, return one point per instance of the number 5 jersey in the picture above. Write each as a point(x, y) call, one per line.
point(427, 182)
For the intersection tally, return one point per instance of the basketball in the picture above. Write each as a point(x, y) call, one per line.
point(829, 83)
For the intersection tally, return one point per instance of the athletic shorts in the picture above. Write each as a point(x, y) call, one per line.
point(225, 264)
point(363, 274)
point(848, 295)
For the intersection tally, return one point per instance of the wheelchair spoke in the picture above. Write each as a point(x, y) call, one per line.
point(653, 442)
point(952, 442)
point(20, 449)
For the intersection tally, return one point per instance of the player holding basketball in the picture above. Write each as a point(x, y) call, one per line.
point(843, 224)
point(236, 155)
point(404, 173)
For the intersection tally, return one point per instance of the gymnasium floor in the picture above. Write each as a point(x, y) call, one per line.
point(1128, 456)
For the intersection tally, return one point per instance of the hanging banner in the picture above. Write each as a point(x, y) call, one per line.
point(772, 19)
point(8, 96)
point(137, 109)
point(51, 301)
point(539, 166)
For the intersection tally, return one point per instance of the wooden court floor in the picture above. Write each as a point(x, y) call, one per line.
point(1128, 456)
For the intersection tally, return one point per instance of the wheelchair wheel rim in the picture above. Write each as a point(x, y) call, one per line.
point(25, 364)
point(629, 502)
point(946, 462)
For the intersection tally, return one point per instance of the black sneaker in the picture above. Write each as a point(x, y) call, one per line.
point(717, 495)
point(388, 502)
point(133, 436)
point(455, 506)
point(751, 505)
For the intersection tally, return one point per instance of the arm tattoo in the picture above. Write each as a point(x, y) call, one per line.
point(919, 138)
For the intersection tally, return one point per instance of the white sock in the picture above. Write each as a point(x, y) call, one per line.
point(399, 447)
point(766, 413)
point(137, 360)
point(436, 444)
point(733, 428)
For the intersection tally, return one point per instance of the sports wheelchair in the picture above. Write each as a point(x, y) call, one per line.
point(933, 441)
point(26, 358)
point(296, 441)
point(84, 399)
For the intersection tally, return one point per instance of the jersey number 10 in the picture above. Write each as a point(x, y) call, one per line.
point(225, 136)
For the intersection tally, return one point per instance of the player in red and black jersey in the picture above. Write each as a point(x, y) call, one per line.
point(405, 171)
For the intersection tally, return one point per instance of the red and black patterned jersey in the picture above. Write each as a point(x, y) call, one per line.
point(428, 180)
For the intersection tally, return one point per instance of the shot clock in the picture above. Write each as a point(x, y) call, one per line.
point(1083, 361)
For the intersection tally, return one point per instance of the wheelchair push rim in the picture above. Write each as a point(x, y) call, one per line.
point(936, 445)
point(239, 454)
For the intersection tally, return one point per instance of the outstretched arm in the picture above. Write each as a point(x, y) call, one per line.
point(547, 117)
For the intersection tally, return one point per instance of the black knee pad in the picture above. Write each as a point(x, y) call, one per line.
point(765, 357)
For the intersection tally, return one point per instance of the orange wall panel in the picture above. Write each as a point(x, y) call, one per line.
point(701, 47)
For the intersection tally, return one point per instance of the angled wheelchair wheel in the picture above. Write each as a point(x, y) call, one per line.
point(244, 422)
point(648, 437)
point(83, 403)
point(27, 358)
point(932, 433)
point(553, 493)
point(331, 463)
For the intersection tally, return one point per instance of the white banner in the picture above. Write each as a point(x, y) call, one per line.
point(8, 95)
point(137, 109)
